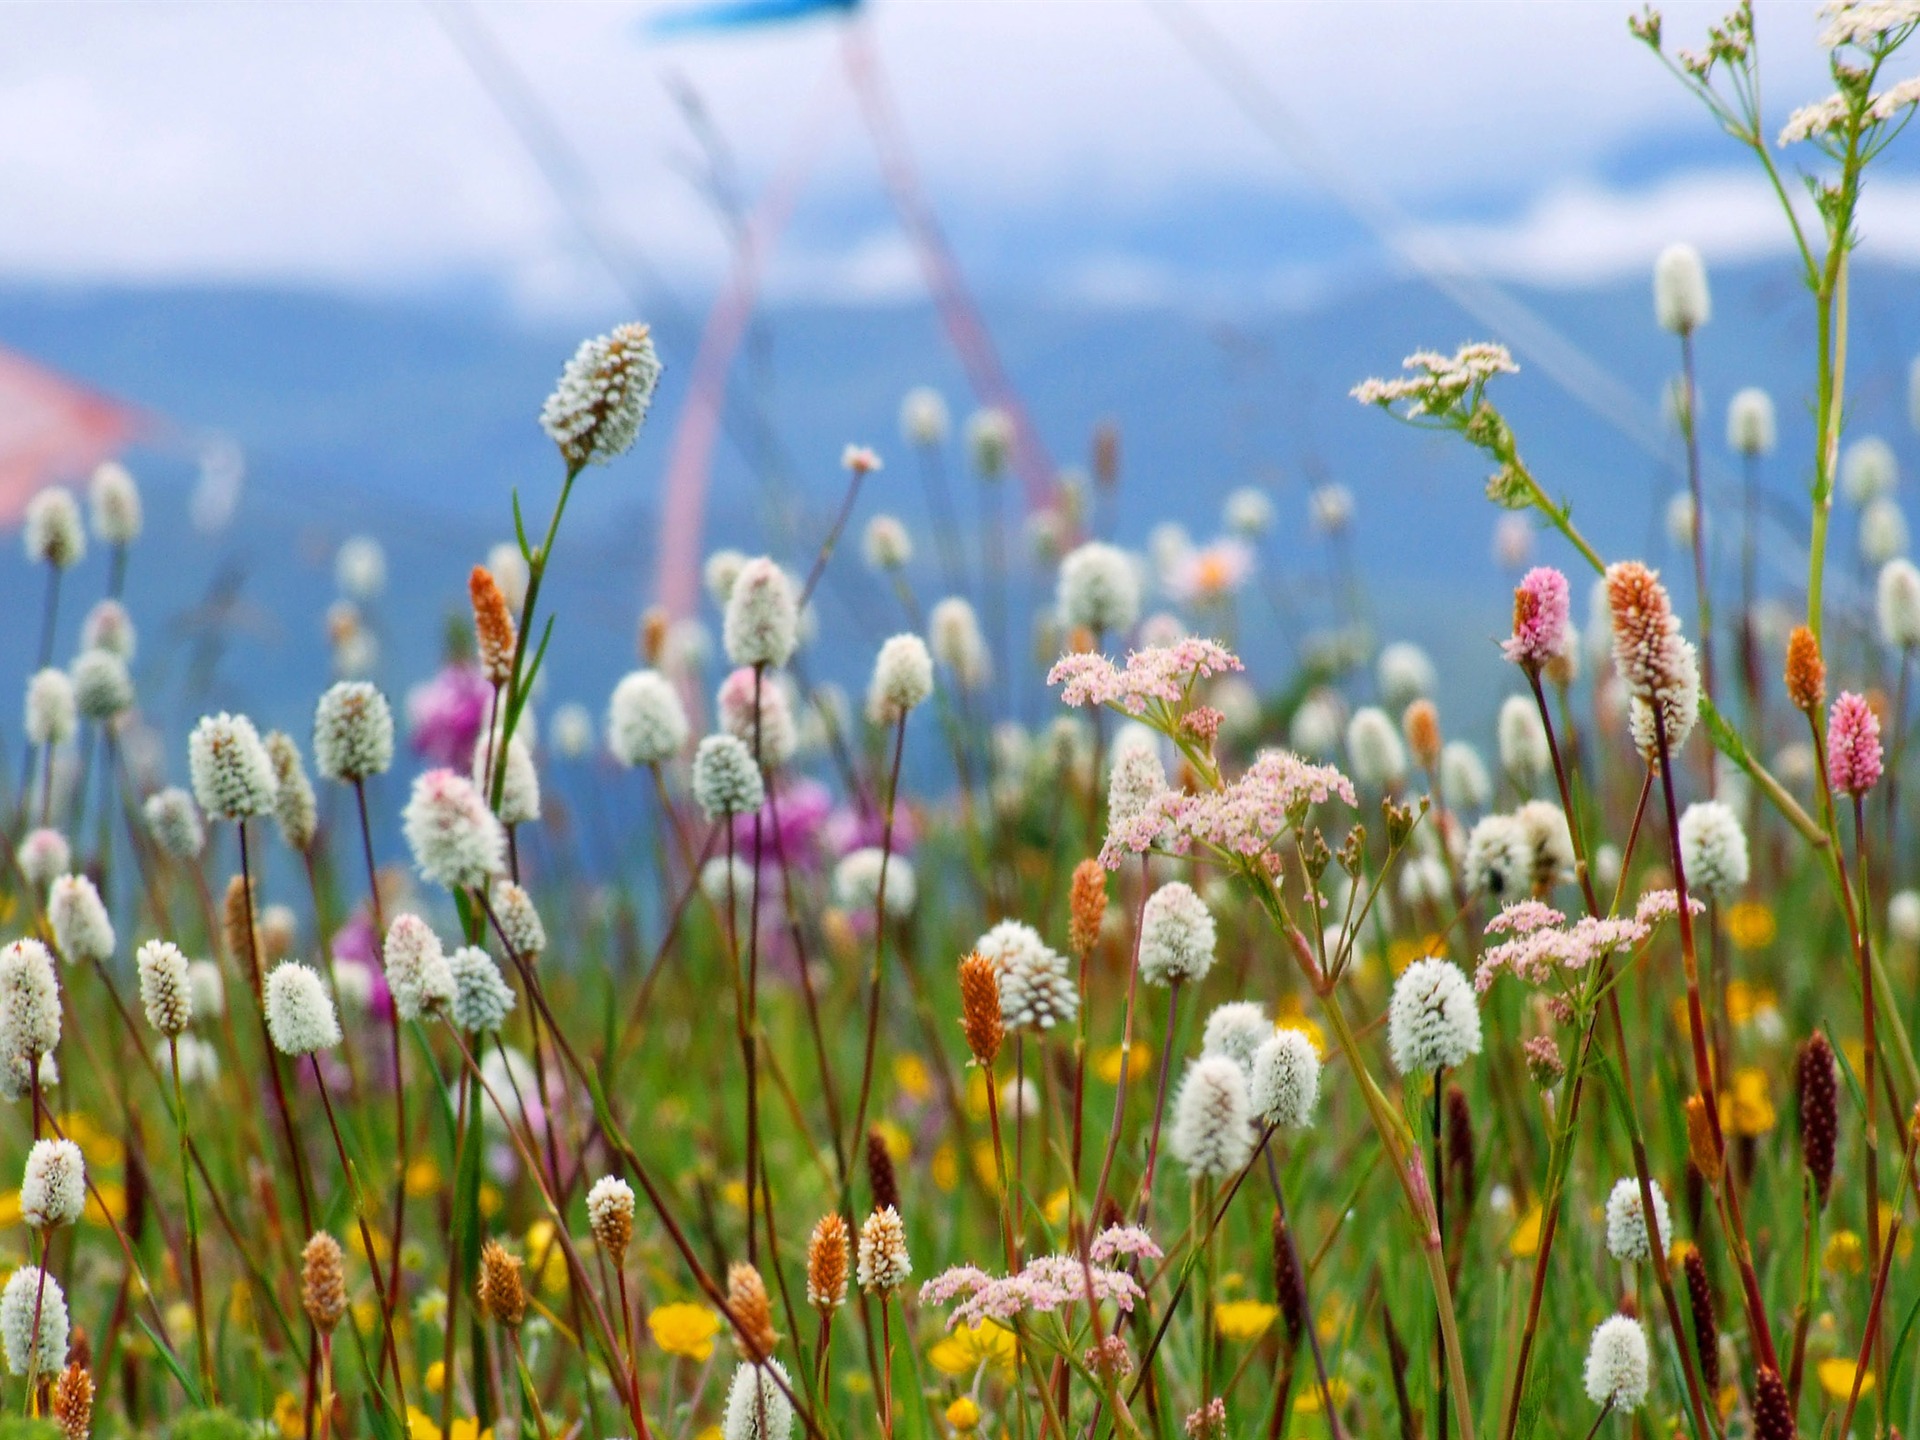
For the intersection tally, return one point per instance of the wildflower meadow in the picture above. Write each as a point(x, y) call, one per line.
point(1085, 1032)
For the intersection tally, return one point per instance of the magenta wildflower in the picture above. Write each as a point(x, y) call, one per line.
point(1853, 745)
point(1540, 609)
point(446, 714)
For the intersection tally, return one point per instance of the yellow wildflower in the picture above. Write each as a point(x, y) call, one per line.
point(424, 1178)
point(1243, 1319)
point(1139, 1061)
point(1055, 1210)
point(1836, 1378)
point(1338, 1391)
point(288, 1416)
point(976, 1096)
point(983, 1163)
point(946, 1167)
point(910, 1074)
point(10, 1207)
point(1747, 1108)
point(963, 1415)
point(490, 1200)
point(734, 1193)
point(544, 1252)
point(1292, 1017)
point(1845, 1255)
point(1750, 924)
point(435, 1377)
point(1403, 952)
point(110, 1192)
point(1526, 1235)
point(683, 1329)
point(899, 1143)
point(965, 1348)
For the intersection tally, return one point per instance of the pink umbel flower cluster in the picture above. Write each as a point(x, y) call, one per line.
point(1241, 820)
point(1544, 943)
point(1163, 673)
point(1049, 1282)
point(1540, 610)
point(1131, 1241)
point(1853, 745)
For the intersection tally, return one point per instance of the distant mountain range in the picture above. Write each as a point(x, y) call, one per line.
point(412, 419)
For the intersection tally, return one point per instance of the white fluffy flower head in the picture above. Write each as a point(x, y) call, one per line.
point(1373, 746)
point(481, 999)
point(352, 732)
point(300, 1015)
point(1432, 1021)
point(166, 986)
point(1524, 753)
point(762, 624)
point(1099, 589)
point(923, 417)
point(40, 1350)
point(725, 779)
point(646, 721)
point(1036, 991)
point(80, 925)
point(884, 1265)
point(53, 1190)
point(1618, 1364)
point(456, 840)
point(1177, 936)
point(1750, 423)
point(1286, 1080)
point(757, 1408)
point(856, 882)
point(902, 679)
point(1236, 1030)
point(232, 776)
point(114, 499)
point(601, 399)
point(1681, 302)
point(1713, 848)
point(102, 685)
point(174, 822)
point(1212, 1131)
point(1627, 1238)
point(53, 534)
point(52, 712)
point(42, 856)
point(953, 631)
point(418, 975)
point(1897, 597)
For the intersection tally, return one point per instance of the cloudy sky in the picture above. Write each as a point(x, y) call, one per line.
point(1069, 147)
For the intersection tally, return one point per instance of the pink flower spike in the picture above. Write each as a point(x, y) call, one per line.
point(1540, 609)
point(1853, 745)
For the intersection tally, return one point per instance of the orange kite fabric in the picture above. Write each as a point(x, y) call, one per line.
point(53, 429)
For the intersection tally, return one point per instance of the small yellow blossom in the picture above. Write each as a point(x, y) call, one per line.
point(1292, 1017)
point(966, 1348)
point(1747, 1108)
point(110, 1192)
point(683, 1329)
point(899, 1143)
point(910, 1074)
point(435, 1377)
point(946, 1167)
point(543, 1252)
point(983, 1163)
point(1750, 924)
point(1845, 1255)
point(1836, 1378)
point(1403, 952)
point(1338, 1391)
point(490, 1199)
point(1139, 1061)
point(288, 1417)
point(1055, 1210)
point(424, 1178)
point(1526, 1235)
point(1244, 1319)
point(976, 1096)
point(963, 1415)
point(734, 1193)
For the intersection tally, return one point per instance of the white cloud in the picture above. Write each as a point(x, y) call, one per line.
point(1580, 233)
point(355, 145)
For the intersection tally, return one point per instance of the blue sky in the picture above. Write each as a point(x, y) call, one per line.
point(1073, 149)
